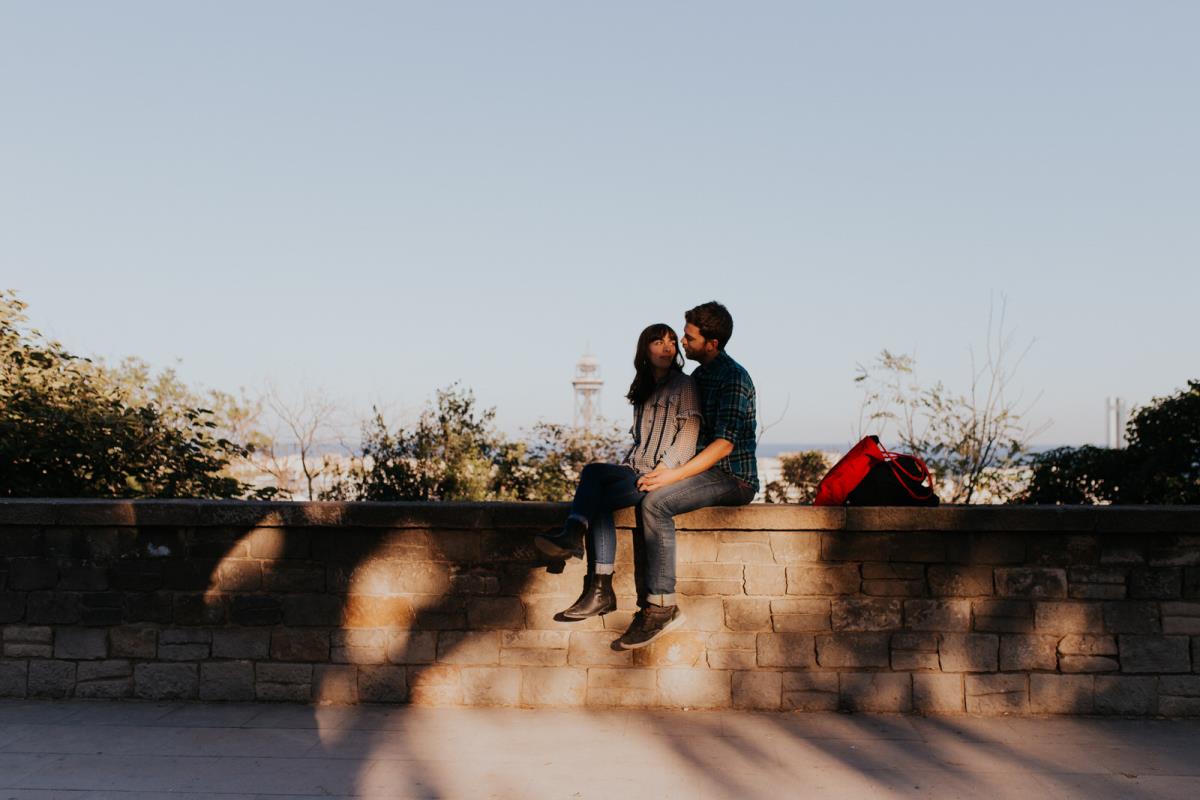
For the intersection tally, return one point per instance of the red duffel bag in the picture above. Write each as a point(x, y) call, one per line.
point(848, 472)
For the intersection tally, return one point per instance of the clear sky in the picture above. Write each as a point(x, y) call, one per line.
point(379, 198)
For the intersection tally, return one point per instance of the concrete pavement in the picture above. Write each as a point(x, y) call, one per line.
point(135, 751)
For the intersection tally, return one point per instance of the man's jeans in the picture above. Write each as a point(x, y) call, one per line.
point(658, 510)
point(602, 489)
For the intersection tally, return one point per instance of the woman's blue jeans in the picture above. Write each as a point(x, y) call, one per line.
point(603, 488)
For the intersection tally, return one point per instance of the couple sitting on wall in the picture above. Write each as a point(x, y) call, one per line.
point(693, 446)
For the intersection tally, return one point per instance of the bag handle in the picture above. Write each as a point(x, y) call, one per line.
point(893, 460)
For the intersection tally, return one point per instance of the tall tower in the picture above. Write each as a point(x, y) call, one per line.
point(587, 385)
point(1117, 418)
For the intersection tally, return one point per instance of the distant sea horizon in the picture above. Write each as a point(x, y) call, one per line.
point(774, 449)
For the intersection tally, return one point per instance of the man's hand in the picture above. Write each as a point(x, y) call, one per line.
point(659, 477)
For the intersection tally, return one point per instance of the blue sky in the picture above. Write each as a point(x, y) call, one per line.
point(381, 198)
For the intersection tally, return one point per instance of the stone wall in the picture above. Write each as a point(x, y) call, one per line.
point(950, 610)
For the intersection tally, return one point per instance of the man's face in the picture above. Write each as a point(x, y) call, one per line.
point(696, 346)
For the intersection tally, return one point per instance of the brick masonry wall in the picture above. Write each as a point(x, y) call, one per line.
point(939, 611)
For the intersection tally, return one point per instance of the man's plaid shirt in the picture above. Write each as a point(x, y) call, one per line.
point(727, 400)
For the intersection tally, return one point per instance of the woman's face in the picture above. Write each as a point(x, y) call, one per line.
point(662, 351)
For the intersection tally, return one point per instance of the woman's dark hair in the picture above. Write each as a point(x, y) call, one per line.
point(643, 378)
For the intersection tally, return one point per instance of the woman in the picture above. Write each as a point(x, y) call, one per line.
point(666, 425)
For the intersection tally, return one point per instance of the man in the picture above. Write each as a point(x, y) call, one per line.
point(724, 471)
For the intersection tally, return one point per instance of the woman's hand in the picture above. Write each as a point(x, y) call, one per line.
point(659, 477)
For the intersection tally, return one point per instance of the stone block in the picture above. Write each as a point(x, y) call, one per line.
point(632, 688)
point(1031, 582)
point(893, 588)
point(850, 650)
point(337, 685)
point(104, 680)
point(51, 678)
point(1003, 693)
point(1067, 617)
point(469, 647)
point(732, 651)
point(133, 641)
point(745, 553)
point(227, 680)
point(801, 614)
point(533, 648)
point(52, 608)
point(241, 643)
point(758, 691)
point(283, 682)
point(1181, 618)
point(31, 574)
point(358, 646)
point(1087, 664)
point(186, 609)
point(382, 684)
point(1179, 696)
point(14, 678)
point(1154, 653)
point(710, 578)
point(81, 643)
point(823, 580)
point(865, 614)
point(954, 580)
point(985, 547)
point(238, 575)
point(316, 610)
point(373, 611)
point(1156, 583)
point(1088, 645)
point(27, 641)
point(1028, 652)
point(810, 691)
point(435, 685)
point(875, 691)
point(792, 547)
point(280, 577)
point(589, 648)
point(166, 681)
point(1126, 695)
point(255, 609)
point(937, 615)
point(893, 571)
point(1131, 616)
point(915, 651)
point(795, 650)
point(277, 543)
point(100, 608)
point(491, 686)
point(675, 649)
point(883, 546)
point(706, 614)
point(694, 688)
point(12, 607)
point(1003, 616)
point(299, 645)
point(768, 579)
point(498, 613)
point(937, 693)
point(690, 547)
point(1061, 694)
point(1048, 549)
point(747, 615)
point(968, 652)
point(412, 647)
point(553, 686)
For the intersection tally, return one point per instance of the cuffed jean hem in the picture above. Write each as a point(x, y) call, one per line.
point(662, 599)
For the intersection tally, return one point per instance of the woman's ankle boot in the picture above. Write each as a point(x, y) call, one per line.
point(597, 598)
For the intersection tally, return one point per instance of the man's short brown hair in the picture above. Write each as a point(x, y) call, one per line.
point(713, 320)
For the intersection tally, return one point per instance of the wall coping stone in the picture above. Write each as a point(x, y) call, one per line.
point(473, 516)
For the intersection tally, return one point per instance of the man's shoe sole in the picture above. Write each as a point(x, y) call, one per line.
point(673, 624)
point(547, 546)
point(564, 616)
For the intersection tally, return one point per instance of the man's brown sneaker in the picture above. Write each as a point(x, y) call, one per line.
point(648, 624)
